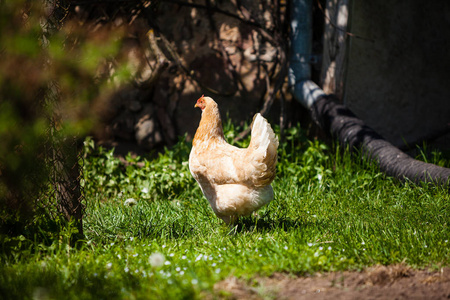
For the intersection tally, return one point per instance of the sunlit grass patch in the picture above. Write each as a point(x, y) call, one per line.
point(332, 211)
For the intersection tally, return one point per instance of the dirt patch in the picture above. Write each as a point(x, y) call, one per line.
point(380, 282)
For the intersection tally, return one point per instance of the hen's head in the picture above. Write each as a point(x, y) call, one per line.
point(205, 102)
point(210, 124)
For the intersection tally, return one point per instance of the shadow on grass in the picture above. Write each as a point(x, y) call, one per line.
point(265, 224)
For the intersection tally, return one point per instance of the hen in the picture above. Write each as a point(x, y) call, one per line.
point(235, 181)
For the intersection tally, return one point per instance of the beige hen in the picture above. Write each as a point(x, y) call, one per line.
point(235, 181)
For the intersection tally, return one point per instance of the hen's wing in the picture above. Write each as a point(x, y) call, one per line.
point(221, 163)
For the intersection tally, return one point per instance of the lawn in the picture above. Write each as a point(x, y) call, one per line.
point(332, 211)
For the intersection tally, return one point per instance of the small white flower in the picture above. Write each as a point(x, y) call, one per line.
point(178, 269)
point(218, 270)
point(310, 244)
point(285, 247)
point(182, 273)
point(108, 265)
point(329, 248)
point(130, 202)
point(126, 269)
point(320, 248)
point(199, 257)
point(319, 177)
point(363, 243)
point(144, 190)
point(167, 263)
point(194, 281)
point(156, 259)
point(213, 265)
point(171, 254)
point(183, 257)
point(134, 255)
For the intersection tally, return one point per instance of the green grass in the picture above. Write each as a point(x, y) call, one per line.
point(332, 211)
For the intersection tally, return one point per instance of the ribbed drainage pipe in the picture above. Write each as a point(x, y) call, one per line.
point(338, 120)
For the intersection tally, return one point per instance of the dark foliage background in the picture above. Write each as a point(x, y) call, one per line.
point(128, 73)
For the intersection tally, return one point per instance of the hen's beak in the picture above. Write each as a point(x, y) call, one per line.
point(196, 105)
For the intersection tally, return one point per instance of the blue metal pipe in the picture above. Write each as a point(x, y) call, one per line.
point(303, 89)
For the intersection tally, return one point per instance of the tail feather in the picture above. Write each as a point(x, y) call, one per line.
point(262, 151)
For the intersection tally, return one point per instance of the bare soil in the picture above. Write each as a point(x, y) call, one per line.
point(379, 282)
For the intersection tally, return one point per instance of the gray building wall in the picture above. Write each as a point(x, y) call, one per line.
point(398, 73)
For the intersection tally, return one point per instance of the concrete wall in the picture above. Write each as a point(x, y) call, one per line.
point(398, 74)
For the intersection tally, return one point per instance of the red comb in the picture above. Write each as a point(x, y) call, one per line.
point(201, 97)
